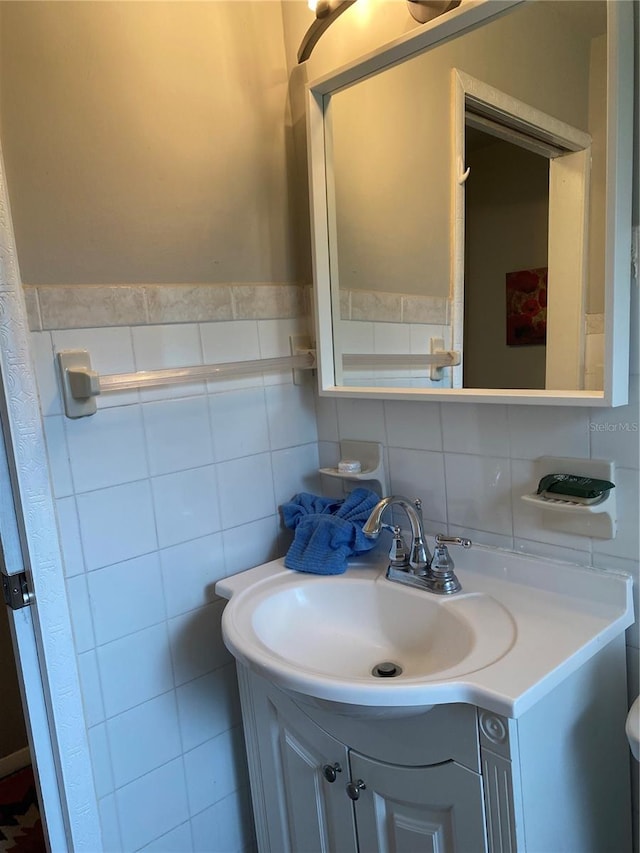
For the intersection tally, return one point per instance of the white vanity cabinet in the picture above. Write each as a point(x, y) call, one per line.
point(504, 730)
point(407, 809)
point(296, 808)
point(456, 778)
point(314, 791)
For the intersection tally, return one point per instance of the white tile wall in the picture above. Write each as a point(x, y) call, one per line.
point(189, 572)
point(196, 642)
point(186, 504)
point(361, 419)
point(415, 426)
point(60, 469)
point(475, 428)
point(208, 706)
point(134, 669)
point(159, 347)
point(69, 533)
point(152, 805)
point(252, 544)
point(470, 465)
point(159, 495)
point(615, 433)
point(220, 827)
point(479, 492)
point(101, 760)
point(533, 430)
point(247, 486)
point(80, 613)
point(295, 469)
point(126, 597)
point(116, 523)
point(407, 466)
point(291, 415)
point(110, 824)
point(90, 687)
point(144, 738)
point(239, 423)
point(45, 368)
point(215, 769)
point(164, 492)
point(195, 447)
point(174, 840)
point(107, 451)
point(234, 341)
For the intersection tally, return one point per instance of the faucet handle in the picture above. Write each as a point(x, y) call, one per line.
point(398, 554)
point(442, 563)
point(443, 579)
point(420, 557)
point(441, 539)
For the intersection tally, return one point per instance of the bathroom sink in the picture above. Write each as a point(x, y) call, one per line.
point(361, 644)
point(357, 639)
point(343, 628)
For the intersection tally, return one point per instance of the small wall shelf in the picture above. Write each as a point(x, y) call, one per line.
point(598, 519)
point(567, 505)
point(370, 456)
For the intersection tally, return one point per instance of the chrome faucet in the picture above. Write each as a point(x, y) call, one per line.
point(416, 567)
point(419, 558)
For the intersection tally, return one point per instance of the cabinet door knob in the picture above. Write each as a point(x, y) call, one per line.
point(330, 771)
point(354, 788)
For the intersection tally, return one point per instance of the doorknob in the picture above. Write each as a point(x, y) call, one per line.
point(354, 788)
point(330, 771)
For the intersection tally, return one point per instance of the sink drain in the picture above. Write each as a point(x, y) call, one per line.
point(386, 669)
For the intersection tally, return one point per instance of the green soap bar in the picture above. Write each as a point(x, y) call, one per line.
point(574, 486)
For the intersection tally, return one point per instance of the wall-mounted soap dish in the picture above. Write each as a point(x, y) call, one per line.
point(567, 505)
point(561, 513)
point(372, 469)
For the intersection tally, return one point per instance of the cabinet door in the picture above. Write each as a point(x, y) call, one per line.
point(437, 809)
point(302, 811)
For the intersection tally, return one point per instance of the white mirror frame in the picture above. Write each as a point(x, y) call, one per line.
point(618, 208)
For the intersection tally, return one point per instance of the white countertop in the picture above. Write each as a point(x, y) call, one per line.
point(563, 614)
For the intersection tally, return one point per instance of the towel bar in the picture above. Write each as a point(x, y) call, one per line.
point(443, 358)
point(81, 384)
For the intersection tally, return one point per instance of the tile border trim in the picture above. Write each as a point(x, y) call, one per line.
point(79, 306)
point(389, 307)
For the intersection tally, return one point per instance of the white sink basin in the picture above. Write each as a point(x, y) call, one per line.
point(341, 628)
point(323, 637)
point(519, 626)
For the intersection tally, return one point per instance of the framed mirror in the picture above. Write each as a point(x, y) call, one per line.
point(471, 208)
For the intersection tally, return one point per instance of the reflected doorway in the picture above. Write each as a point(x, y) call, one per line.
point(506, 230)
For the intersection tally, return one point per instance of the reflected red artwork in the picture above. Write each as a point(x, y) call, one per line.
point(527, 307)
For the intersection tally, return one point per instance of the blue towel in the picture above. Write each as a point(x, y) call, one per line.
point(327, 531)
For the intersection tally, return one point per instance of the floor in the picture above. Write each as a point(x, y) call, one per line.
point(20, 824)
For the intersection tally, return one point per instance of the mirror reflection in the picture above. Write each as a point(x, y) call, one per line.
point(466, 196)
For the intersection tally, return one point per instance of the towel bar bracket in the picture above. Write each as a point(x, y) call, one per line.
point(300, 345)
point(79, 383)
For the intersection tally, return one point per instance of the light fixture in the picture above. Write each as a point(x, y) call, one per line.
point(326, 13)
point(425, 10)
point(328, 10)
